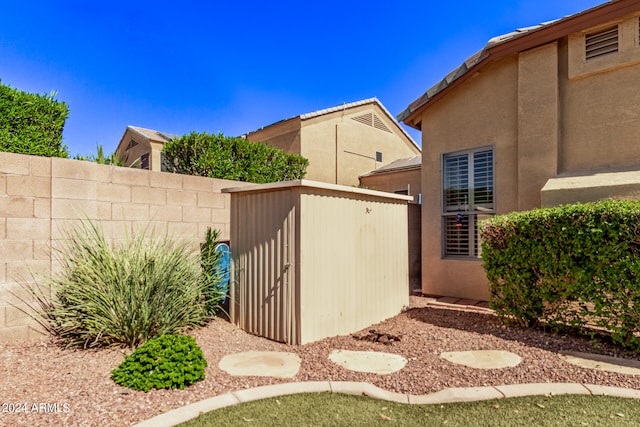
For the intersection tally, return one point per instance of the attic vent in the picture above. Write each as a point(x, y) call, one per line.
point(601, 43)
point(366, 119)
point(379, 124)
point(131, 144)
point(371, 119)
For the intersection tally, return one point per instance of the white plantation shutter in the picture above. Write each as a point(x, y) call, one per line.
point(456, 236)
point(456, 183)
point(483, 180)
point(468, 188)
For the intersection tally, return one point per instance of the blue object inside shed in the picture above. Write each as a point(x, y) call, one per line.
point(222, 269)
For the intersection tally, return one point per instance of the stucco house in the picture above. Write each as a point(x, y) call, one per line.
point(142, 147)
point(341, 142)
point(545, 115)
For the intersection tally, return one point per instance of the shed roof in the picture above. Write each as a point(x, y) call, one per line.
point(513, 42)
point(304, 183)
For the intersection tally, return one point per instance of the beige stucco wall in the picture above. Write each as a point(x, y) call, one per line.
point(316, 260)
point(42, 197)
point(547, 112)
point(538, 122)
point(601, 121)
point(481, 112)
point(627, 55)
point(284, 136)
point(339, 149)
point(355, 143)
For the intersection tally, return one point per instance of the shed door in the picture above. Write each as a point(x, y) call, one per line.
point(265, 297)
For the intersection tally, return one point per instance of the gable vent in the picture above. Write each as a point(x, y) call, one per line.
point(379, 124)
point(371, 119)
point(366, 119)
point(601, 43)
point(131, 144)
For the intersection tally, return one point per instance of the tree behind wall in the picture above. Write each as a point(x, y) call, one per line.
point(31, 123)
point(218, 156)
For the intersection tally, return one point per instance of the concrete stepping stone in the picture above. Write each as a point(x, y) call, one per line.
point(261, 364)
point(368, 361)
point(602, 363)
point(483, 359)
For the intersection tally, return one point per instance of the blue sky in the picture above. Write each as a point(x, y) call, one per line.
point(236, 66)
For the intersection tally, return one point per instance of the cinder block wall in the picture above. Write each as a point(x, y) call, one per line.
point(42, 197)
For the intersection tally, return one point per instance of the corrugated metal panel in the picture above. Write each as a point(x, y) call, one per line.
point(353, 267)
point(262, 240)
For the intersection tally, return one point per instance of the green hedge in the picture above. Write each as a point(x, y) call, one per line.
point(218, 156)
point(31, 123)
point(576, 266)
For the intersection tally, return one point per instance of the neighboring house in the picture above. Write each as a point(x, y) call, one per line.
point(403, 177)
point(545, 115)
point(142, 147)
point(342, 142)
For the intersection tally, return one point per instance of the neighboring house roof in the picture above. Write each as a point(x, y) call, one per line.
point(343, 107)
point(152, 134)
point(411, 163)
point(516, 41)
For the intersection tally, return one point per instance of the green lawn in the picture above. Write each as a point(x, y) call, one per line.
point(333, 409)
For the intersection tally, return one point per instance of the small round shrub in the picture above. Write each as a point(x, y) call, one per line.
point(167, 361)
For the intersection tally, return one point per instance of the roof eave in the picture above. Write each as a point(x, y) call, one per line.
point(546, 34)
point(393, 170)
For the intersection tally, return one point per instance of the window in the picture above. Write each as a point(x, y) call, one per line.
point(467, 198)
point(601, 43)
point(144, 161)
point(378, 156)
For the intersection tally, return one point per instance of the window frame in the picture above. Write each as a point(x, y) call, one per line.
point(469, 215)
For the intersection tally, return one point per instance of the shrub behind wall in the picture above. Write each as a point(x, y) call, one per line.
point(31, 123)
point(571, 266)
point(218, 156)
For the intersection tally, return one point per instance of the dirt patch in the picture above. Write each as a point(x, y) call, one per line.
point(373, 335)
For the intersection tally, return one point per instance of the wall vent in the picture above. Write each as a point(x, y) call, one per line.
point(365, 119)
point(601, 43)
point(379, 124)
point(372, 119)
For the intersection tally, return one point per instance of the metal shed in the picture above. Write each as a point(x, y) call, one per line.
point(313, 260)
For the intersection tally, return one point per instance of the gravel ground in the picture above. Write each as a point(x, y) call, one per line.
point(52, 386)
